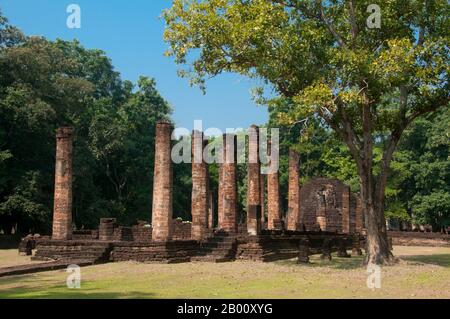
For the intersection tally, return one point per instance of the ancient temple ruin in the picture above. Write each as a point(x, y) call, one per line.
point(323, 215)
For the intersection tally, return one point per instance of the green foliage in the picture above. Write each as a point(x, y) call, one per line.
point(46, 84)
point(421, 171)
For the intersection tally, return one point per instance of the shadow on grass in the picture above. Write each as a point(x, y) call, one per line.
point(34, 287)
point(59, 292)
point(354, 262)
point(438, 260)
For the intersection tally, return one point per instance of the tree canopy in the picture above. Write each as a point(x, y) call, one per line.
point(323, 62)
point(46, 84)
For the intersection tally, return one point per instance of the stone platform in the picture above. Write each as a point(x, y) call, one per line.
point(266, 247)
point(278, 245)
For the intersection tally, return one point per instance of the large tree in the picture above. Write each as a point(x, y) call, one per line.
point(323, 61)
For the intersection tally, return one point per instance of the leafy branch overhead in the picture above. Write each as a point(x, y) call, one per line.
point(323, 60)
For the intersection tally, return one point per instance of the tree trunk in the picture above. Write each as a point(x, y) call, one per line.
point(378, 250)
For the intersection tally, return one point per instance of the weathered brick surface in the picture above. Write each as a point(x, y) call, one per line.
point(263, 200)
point(142, 232)
point(94, 250)
point(162, 252)
point(293, 214)
point(200, 185)
point(271, 246)
point(419, 239)
point(273, 196)
point(182, 230)
point(228, 220)
point(62, 209)
point(254, 183)
point(346, 210)
point(106, 229)
point(328, 205)
point(163, 182)
point(220, 189)
point(87, 234)
point(211, 221)
point(220, 247)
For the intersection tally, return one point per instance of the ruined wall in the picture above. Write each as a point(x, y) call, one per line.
point(182, 230)
point(327, 204)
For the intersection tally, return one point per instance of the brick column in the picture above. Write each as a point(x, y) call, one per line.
point(253, 183)
point(211, 211)
point(273, 197)
point(358, 216)
point(62, 206)
point(220, 189)
point(229, 185)
point(162, 184)
point(293, 218)
point(200, 198)
point(346, 210)
point(263, 200)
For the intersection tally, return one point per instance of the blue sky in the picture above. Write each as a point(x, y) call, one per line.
point(130, 32)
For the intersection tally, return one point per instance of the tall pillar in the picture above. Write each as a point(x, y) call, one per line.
point(211, 211)
point(162, 184)
point(293, 220)
point(346, 210)
point(220, 188)
point(273, 196)
point(62, 207)
point(254, 183)
point(200, 198)
point(263, 200)
point(229, 185)
point(358, 216)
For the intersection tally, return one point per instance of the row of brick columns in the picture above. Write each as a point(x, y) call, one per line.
point(202, 198)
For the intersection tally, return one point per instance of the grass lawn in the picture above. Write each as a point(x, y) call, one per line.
point(423, 272)
point(11, 257)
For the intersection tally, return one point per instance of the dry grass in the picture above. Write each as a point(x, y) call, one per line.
point(423, 272)
point(11, 257)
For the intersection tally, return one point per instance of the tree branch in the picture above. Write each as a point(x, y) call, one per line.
point(353, 24)
point(422, 27)
point(329, 25)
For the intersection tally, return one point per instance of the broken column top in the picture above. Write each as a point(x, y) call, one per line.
point(164, 123)
point(64, 132)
